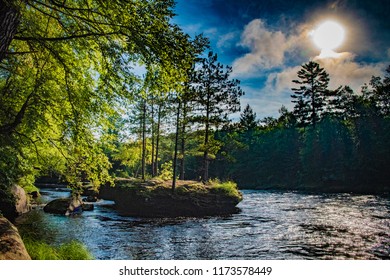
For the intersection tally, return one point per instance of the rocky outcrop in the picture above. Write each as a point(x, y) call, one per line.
point(13, 202)
point(11, 244)
point(21, 202)
point(7, 205)
point(160, 201)
point(61, 205)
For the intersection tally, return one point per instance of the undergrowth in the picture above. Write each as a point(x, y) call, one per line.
point(39, 250)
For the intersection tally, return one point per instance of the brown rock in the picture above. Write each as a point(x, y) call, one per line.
point(11, 244)
point(21, 203)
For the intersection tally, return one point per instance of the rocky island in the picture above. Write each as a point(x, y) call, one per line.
point(155, 198)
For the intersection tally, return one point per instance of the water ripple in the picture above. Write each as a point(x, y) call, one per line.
point(270, 225)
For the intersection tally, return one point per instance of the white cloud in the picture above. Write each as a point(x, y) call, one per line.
point(267, 49)
point(211, 31)
point(281, 82)
point(225, 39)
point(343, 70)
point(192, 28)
point(280, 55)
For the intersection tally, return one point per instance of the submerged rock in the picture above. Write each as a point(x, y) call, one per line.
point(11, 244)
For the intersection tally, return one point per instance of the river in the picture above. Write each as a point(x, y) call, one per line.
point(270, 225)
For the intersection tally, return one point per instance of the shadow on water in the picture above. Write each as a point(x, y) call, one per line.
point(270, 225)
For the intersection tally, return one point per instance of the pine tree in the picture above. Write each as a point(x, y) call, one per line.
point(310, 97)
point(216, 97)
point(248, 118)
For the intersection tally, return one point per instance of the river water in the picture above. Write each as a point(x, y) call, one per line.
point(270, 225)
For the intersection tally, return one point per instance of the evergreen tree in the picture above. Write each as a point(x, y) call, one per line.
point(216, 97)
point(248, 118)
point(380, 95)
point(310, 97)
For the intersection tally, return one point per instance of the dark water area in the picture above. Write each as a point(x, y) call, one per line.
point(270, 225)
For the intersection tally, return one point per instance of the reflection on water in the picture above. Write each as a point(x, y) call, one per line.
point(271, 225)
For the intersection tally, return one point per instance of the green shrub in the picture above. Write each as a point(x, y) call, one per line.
point(166, 171)
point(228, 188)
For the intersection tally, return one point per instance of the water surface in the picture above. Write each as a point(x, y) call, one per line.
point(271, 225)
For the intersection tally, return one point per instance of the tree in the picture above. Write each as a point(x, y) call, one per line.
point(65, 68)
point(248, 119)
point(380, 94)
point(9, 21)
point(310, 97)
point(216, 96)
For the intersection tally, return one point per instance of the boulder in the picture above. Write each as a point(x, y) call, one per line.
point(34, 194)
point(21, 203)
point(90, 191)
point(57, 206)
point(87, 207)
point(11, 244)
point(7, 205)
point(13, 202)
point(61, 206)
point(90, 198)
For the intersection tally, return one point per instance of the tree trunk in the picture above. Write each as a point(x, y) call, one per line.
point(176, 146)
point(183, 139)
point(9, 22)
point(143, 138)
point(157, 140)
point(152, 126)
point(206, 142)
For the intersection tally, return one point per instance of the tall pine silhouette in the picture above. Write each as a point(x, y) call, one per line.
point(310, 96)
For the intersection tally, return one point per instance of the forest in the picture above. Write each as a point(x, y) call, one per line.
point(74, 107)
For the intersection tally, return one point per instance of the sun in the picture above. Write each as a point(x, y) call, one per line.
point(328, 36)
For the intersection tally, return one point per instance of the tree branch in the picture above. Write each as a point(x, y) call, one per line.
point(53, 39)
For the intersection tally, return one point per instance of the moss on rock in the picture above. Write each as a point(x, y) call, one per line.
point(154, 198)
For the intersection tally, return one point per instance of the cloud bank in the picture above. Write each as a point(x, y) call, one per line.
point(270, 54)
point(267, 49)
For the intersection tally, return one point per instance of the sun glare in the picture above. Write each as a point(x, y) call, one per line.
point(328, 36)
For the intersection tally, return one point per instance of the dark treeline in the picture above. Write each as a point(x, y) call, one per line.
point(72, 107)
point(339, 144)
point(332, 140)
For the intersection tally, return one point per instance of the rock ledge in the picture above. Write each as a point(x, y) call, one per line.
point(154, 198)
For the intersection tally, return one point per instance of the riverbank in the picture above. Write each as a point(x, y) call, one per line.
point(155, 198)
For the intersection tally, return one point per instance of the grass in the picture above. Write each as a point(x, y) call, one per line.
point(73, 250)
point(157, 185)
point(228, 188)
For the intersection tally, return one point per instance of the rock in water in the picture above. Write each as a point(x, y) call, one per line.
point(61, 206)
point(57, 206)
point(87, 206)
point(190, 200)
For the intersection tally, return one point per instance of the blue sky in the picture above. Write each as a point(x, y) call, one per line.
point(266, 42)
